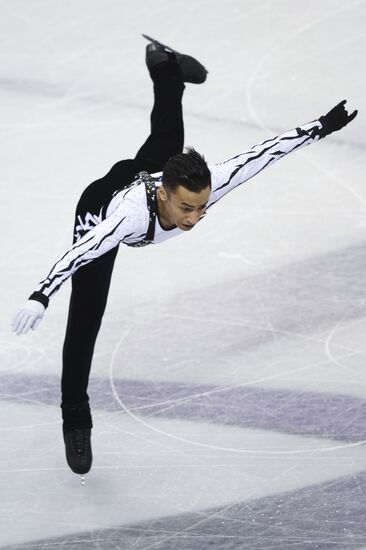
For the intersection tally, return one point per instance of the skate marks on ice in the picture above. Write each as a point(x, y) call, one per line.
point(271, 309)
point(325, 517)
point(302, 306)
point(301, 325)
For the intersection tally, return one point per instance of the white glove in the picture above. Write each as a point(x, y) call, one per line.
point(28, 316)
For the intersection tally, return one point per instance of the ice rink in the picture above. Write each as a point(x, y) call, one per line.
point(228, 386)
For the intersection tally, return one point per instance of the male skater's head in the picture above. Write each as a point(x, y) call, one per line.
point(186, 187)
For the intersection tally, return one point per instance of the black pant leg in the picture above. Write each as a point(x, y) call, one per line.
point(90, 287)
point(167, 130)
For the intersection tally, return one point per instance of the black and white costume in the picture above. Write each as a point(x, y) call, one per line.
point(121, 207)
point(131, 213)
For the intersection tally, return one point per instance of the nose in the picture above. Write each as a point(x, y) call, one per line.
point(192, 219)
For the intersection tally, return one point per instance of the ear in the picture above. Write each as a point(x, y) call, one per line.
point(163, 194)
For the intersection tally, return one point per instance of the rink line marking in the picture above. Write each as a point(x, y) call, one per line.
point(331, 356)
point(235, 385)
point(239, 384)
point(270, 53)
point(329, 424)
point(185, 399)
point(313, 339)
point(318, 53)
point(253, 77)
point(352, 351)
point(135, 435)
point(173, 403)
point(332, 174)
point(205, 445)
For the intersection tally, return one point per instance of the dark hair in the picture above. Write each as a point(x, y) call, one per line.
point(188, 169)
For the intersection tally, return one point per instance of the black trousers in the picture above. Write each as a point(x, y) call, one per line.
point(90, 284)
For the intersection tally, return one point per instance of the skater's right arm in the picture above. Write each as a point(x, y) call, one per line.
point(125, 222)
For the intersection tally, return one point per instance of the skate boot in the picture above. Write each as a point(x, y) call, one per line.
point(77, 434)
point(192, 70)
point(78, 450)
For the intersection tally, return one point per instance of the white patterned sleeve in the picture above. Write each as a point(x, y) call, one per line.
point(122, 224)
point(236, 170)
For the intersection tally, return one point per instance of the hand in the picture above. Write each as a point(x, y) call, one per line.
point(336, 119)
point(28, 316)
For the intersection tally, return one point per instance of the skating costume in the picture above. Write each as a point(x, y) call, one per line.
point(121, 207)
point(131, 217)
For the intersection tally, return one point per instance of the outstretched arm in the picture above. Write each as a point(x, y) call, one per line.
point(124, 223)
point(233, 172)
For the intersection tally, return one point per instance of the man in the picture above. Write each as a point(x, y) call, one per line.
point(130, 206)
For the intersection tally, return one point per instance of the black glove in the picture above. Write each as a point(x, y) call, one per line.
point(336, 119)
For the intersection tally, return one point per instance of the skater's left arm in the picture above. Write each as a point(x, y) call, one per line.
point(236, 170)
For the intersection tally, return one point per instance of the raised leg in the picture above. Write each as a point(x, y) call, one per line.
point(167, 130)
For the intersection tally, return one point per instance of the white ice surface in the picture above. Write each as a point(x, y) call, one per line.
point(75, 97)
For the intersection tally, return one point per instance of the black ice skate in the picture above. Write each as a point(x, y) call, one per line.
point(77, 424)
point(192, 70)
point(78, 450)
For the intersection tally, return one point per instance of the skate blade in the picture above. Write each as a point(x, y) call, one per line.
point(160, 43)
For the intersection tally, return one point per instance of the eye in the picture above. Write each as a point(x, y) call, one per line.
point(185, 209)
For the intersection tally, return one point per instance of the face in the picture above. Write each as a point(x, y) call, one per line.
point(182, 207)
